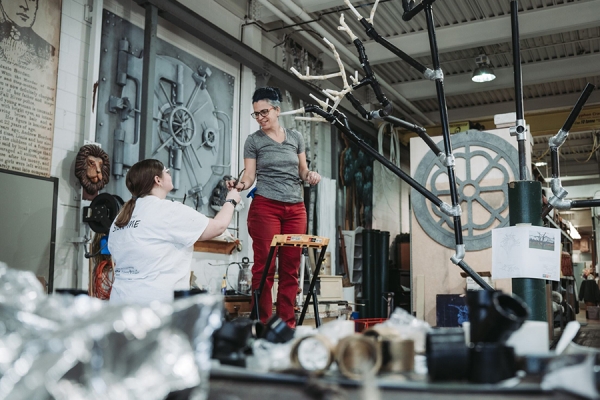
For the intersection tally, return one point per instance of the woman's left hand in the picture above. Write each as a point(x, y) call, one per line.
point(313, 177)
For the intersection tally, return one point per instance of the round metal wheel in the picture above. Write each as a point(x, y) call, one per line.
point(209, 137)
point(485, 164)
point(181, 125)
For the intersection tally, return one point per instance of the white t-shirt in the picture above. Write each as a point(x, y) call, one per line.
point(153, 252)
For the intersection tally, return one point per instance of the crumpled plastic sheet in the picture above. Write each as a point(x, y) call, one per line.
point(269, 356)
point(409, 327)
point(574, 373)
point(66, 347)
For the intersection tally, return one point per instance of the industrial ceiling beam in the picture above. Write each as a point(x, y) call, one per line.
point(533, 73)
point(534, 23)
point(487, 111)
point(541, 123)
point(204, 30)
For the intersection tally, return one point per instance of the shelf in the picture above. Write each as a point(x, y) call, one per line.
point(216, 246)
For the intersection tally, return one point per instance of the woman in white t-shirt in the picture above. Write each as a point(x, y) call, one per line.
point(151, 240)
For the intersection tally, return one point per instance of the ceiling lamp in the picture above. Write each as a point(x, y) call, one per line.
point(484, 71)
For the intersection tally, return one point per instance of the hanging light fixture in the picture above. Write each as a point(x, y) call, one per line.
point(484, 71)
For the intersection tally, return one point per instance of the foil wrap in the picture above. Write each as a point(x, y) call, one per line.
point(78, 347)
point(408, 327)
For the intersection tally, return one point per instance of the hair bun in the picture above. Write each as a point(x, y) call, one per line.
point(267, 93)
point(278, 93)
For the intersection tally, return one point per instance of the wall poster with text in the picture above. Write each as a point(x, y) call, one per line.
point(29, 44)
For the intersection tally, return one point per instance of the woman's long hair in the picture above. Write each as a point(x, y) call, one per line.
point(139, 181)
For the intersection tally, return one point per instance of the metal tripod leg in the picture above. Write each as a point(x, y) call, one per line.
point(311, 291)
point(255, 313)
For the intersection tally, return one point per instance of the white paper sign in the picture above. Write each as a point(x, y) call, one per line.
point(526, 252)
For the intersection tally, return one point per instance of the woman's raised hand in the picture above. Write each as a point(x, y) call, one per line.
point(239, 186)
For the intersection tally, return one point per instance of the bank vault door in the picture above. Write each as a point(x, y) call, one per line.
point(191, 135)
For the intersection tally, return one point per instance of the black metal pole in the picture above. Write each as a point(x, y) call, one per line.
point(148, 73)
point(389, 165)
point(554, 161)
point(557, 140)
point(594, 238)
point(585, 203)
point(372, 80)
point(583, 98)
point(409, 13)
point(441, 97)
point(514, 12)
point(385, 43)
point(520, 123)
point(416, 129)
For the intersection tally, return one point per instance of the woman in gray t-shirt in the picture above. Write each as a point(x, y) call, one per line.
point(275, 158)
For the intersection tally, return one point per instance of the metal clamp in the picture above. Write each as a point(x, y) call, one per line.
point(518, 130)
point(451, 211)
point(434, 75)
point(558, 139)
point(449, 160)
point(459, 255)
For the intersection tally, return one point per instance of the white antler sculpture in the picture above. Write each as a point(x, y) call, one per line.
point(355, 11)
point(335, 96)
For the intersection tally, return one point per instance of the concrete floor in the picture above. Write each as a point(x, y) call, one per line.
point(589, 334)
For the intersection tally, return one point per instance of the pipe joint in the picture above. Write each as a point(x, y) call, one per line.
point(559, 203)
point(451, 211)
point(459, 255)
point(442, 157)
point(558, 139)
point(518, 130)
point(449, 161)
point(433, 75)
point(557, 189)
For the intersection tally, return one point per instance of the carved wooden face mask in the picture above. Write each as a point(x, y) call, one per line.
point(94, 169)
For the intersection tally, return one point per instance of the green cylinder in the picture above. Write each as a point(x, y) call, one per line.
point(525, 206)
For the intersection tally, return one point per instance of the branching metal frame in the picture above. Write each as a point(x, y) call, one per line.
point(325, 111)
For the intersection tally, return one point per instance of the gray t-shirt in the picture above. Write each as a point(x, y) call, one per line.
point(276, 165)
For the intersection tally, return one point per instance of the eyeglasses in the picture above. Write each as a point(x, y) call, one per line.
point(167, 170)
point(262, 113)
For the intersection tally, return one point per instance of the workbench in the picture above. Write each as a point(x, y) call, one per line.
point(238, 383)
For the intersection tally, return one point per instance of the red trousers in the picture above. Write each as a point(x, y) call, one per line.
point(267, 218)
